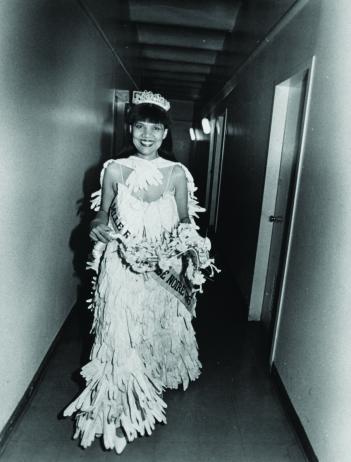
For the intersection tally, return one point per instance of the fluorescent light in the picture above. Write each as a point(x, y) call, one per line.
point(192, 134)
point(206, 126)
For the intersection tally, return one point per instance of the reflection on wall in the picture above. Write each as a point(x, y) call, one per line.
point(56, 76)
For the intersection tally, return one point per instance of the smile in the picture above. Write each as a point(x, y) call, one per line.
point(145, 143)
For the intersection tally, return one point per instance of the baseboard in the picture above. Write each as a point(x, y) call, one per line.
point(28, 394)
point(294, 418)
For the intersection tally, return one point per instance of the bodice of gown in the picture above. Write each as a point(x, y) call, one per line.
point(142, 218)
point(146, 219)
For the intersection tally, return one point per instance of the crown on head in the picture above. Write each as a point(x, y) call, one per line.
point(140, 97)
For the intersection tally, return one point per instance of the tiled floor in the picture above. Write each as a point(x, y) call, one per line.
point(231, 414)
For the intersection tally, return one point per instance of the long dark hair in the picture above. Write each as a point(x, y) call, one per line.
point(147, 112)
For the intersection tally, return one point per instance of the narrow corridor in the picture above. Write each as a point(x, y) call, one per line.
point(231, 414)
point(271, 79)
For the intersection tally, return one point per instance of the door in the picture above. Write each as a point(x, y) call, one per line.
point(215, 168)
point(286, 144)
point(280, 219)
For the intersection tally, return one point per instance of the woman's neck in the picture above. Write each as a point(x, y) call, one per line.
point(147, 157)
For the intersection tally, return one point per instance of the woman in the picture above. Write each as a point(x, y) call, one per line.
point(144, 339)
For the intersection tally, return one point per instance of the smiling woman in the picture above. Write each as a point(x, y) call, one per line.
point(143, 298)
point(147, 138)
point(149, 128)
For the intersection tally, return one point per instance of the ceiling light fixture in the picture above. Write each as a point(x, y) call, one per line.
point(206, 126)
point(192, 133)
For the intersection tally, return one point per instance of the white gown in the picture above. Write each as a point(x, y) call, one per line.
point(144, 339)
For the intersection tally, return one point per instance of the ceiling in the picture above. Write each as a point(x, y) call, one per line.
point(185, 49)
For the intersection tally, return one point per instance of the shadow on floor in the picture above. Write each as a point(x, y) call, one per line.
point(230, 414)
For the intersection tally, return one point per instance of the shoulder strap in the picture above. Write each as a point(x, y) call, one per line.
point(169, 179)
point(121, 170)
point(96, 196)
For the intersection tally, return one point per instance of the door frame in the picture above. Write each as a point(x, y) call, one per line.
point(309, 88)
point(280, 106)
point(120, 101)
point(215, 166)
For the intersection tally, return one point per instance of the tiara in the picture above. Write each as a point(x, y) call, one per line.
point(140, 97)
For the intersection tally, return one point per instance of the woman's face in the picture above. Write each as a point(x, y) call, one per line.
point(147, 137)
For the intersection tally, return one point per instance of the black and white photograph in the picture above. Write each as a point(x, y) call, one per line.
point(174, 249)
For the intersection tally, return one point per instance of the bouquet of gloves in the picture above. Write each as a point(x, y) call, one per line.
point(182, 250)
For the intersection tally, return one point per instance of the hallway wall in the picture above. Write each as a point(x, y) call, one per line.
point(56, 76)
point(181, 120)
point(314, 349)
point(249, 116)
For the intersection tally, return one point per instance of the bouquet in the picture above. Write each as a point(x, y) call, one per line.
point(182, 249)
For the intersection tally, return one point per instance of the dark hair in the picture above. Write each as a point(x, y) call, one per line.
point(147, 112)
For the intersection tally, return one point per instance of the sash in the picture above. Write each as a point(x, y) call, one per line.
point(174, 283)
point(178, 286)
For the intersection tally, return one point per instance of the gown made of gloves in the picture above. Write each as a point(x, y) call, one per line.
point(144, 340)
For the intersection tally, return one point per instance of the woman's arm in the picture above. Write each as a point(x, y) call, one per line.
point(181, 193)
point(99, 231)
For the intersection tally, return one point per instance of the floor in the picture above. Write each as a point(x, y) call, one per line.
point(231, 414)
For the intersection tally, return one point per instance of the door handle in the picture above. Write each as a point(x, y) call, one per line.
point(275, 219)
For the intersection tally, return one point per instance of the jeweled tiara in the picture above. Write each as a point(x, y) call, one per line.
point(145, 96)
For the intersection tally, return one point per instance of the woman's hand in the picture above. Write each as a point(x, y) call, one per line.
point(100, 232)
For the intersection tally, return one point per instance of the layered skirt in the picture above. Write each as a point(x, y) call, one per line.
point(144, 343)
